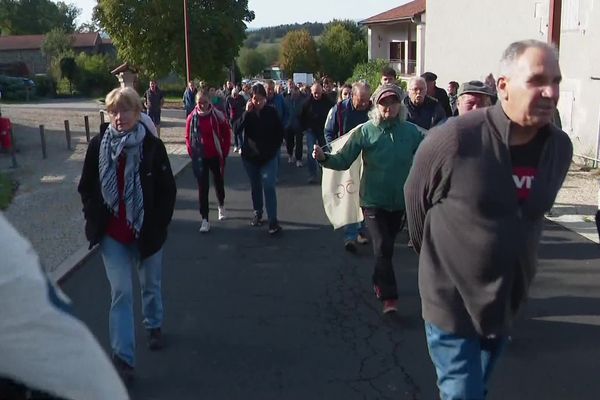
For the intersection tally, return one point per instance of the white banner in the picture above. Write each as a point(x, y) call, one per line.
point(340, 189)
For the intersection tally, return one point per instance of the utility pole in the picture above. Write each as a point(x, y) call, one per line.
point(186, 18)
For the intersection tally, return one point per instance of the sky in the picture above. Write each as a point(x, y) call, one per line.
point(275, 12)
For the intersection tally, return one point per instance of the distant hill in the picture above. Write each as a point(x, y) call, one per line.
point(274, 34)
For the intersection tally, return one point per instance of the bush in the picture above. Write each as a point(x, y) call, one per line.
point(93, 76)
point(371, 73)
point(7, 190)
point(44, 86)
point(170, 89)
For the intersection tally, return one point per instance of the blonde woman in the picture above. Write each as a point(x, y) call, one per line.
point(128, 194)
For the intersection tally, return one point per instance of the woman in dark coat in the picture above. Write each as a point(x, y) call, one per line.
point(263, 136)
point(128, 194)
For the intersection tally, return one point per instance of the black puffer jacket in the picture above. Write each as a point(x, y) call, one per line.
point(263, 135)
point(427, 115)
point(158, 187)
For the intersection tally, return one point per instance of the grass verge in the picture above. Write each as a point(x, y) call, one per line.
point(7, 190)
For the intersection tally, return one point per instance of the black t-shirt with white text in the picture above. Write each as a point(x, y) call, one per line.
point(525, 159)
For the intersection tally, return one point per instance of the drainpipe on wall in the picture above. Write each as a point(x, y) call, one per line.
point(554, 23)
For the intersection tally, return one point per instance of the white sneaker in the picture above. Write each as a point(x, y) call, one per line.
point(222, 213)
point(235, 149)
point(299, 164)
point(205, 226)
point(290, 159)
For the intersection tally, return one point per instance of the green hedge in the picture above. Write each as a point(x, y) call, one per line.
point(44, 86)
point(7, 190)
point(93, 77)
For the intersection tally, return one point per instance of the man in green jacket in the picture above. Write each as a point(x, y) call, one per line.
point(387, 143)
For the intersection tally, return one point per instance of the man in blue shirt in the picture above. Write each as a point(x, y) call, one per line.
point(342, 118)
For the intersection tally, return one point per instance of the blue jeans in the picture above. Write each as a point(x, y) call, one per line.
point(263, 178)
point(351, 231)
point(118, 260)
point(463, 365)
point(311, 163)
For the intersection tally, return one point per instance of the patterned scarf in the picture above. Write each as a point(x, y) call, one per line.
point(112, 145)
point(196, 134)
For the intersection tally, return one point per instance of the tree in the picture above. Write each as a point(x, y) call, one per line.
point(89, 27)
point(341, 47)
point(31, 17)
point(68, 70)
point(251, 62)
point(150, 34)
point(270, 53)
point(298, 53)
point(56, 42)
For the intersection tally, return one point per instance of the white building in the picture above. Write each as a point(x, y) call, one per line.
point(465, 39)
point(398, 36)
point(462, 40)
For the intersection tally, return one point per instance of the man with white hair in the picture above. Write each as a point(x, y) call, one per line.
point(343, 117)
point(423, 110)
point(476, 217)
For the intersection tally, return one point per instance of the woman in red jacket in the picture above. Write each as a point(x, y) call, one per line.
point(208, 138)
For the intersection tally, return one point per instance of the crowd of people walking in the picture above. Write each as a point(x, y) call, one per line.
point(471, 170)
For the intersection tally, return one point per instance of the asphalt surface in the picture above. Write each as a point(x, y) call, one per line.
point(248, 316)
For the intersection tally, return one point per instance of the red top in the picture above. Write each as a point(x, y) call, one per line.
point(205, 127)
point(117, 225)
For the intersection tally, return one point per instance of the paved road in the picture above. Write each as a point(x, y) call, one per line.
point(254, 317)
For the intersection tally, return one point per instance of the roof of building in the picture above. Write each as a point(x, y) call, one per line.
point(34, 42)
point(405, 11)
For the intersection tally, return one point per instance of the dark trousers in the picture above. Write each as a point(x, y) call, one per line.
point(201, 169)
point(293, 142)
point(384, 226)
point(237, 133)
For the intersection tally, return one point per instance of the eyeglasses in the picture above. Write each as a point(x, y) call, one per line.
point(114, 113)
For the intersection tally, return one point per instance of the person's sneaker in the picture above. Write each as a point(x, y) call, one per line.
point(290, 159)
point(409, 244)
point(204, 226)
point(350, 246)
point(222, 215)
point(124, 370)
point(390, 305)
point(155, 339)
point(299, 164)
point(274, 228)
point(235, 149)
point(256, 221)
point(362, 239)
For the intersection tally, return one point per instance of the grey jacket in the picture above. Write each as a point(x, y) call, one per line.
point(478, 245)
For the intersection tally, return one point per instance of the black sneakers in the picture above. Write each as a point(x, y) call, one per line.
point(350, 246)
point(274, 228)
point(125, 370)
point(155, 339)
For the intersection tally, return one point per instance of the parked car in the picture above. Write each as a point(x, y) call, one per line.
point(16, 88)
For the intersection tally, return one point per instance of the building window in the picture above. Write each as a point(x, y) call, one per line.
point(397, 50)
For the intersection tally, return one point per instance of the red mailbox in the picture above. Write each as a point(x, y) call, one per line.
point(5, 128)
